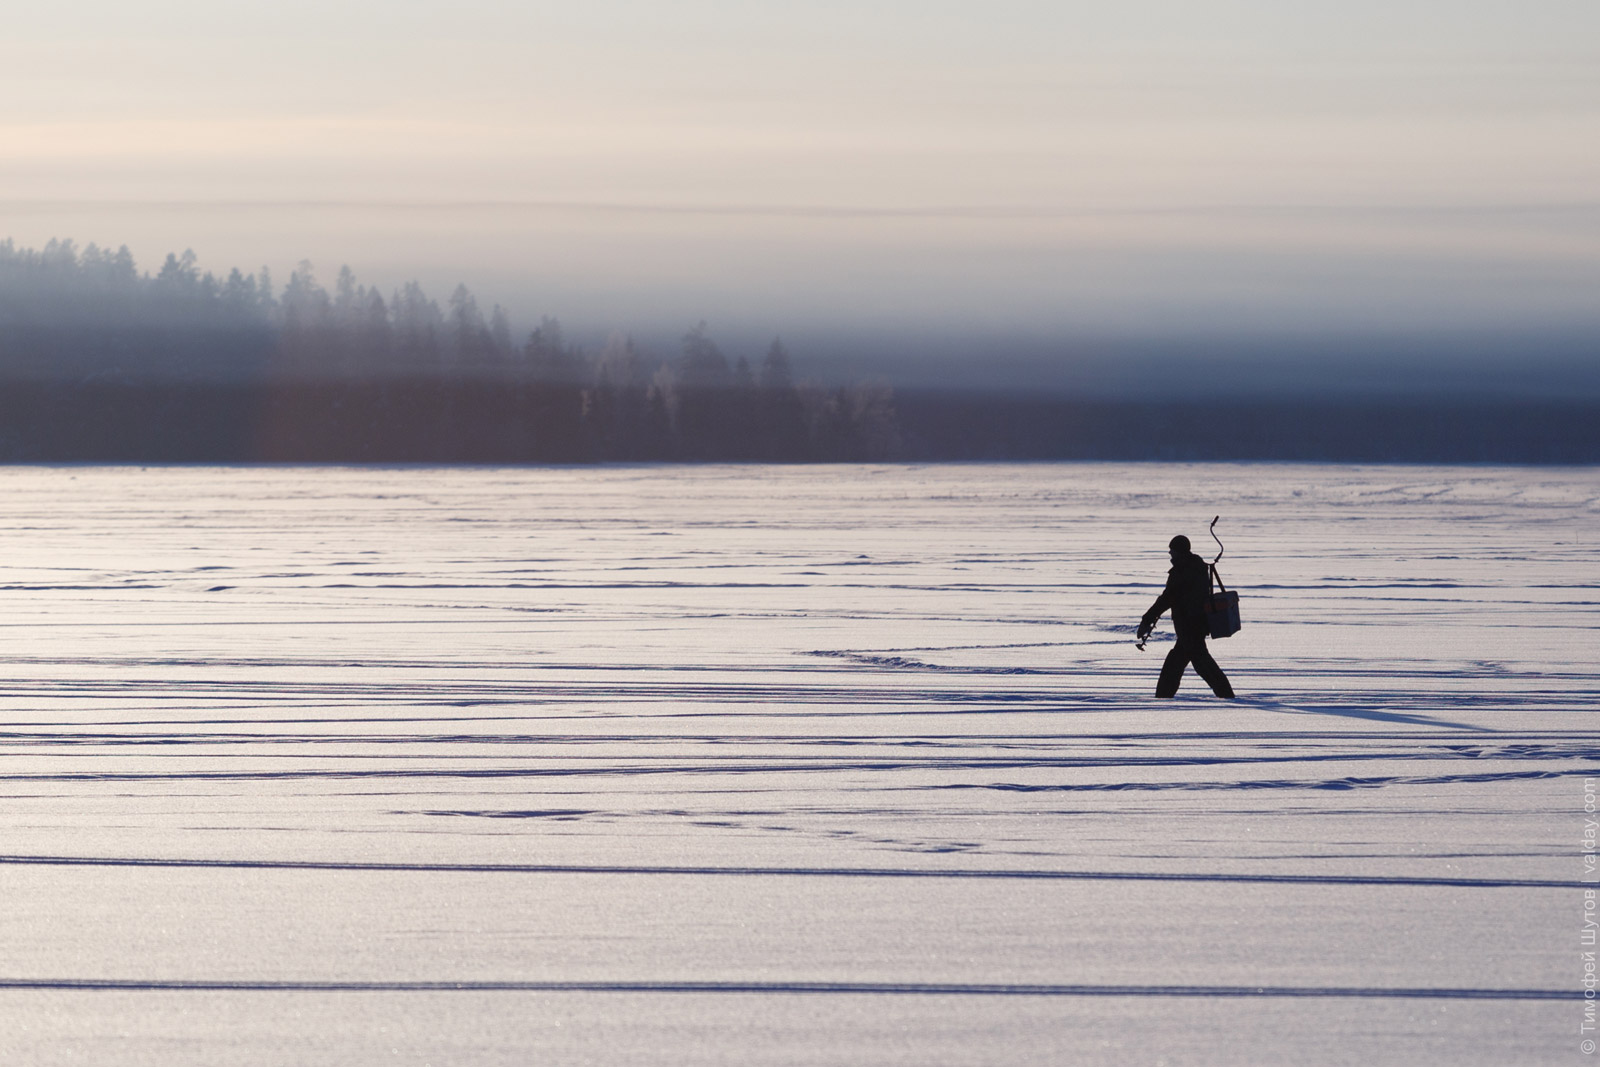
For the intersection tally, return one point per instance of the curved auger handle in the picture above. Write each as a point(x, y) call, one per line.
point(1218, 540)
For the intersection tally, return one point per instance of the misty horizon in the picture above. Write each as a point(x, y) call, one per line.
point(103, 361)
point(1356, 364)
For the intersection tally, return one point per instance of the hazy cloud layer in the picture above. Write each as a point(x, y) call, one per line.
point(1015, 170)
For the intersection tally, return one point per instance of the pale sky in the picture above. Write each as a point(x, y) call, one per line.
point(1048, 170)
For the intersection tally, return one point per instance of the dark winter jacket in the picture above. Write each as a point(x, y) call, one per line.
point(1188, 589)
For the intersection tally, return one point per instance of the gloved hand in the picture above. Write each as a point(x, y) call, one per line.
point(1143, 634)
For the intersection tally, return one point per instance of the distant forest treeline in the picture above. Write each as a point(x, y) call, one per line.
point(102, 363)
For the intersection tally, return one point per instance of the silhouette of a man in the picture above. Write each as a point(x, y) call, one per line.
point(1188, 588)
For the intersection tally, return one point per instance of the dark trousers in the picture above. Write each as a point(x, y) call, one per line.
point(1192, 649)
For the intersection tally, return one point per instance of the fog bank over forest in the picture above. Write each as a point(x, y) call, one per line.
point(68, 311)
point(101, 360)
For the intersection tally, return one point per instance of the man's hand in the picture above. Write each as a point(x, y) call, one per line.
point(1143, 633)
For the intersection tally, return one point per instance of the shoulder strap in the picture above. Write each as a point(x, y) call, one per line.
point(1215, 577)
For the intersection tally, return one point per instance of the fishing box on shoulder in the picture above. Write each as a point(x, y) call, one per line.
point(1222, 612)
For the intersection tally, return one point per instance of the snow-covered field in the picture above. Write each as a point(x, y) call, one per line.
point(742, 765)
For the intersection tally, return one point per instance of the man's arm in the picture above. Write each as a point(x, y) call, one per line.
point(1163, 602)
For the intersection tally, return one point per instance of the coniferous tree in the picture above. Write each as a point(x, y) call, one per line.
point(555, 394)
point(470, 340)
point(701, 386)
point(782, 432)
point(500, 335)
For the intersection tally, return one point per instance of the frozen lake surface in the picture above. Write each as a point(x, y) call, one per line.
point(743, 765)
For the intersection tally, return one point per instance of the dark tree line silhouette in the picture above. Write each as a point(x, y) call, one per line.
point(101, 361)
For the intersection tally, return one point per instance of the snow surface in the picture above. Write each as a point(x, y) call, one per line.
point(748, 765)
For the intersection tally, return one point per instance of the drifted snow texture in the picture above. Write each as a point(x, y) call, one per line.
point(749, 765)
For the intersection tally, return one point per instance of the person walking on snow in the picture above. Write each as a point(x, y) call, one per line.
point(1188, 588)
